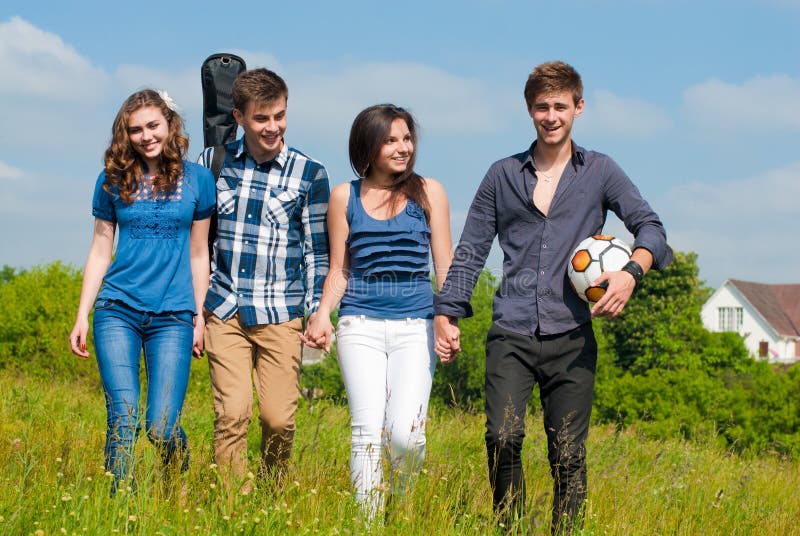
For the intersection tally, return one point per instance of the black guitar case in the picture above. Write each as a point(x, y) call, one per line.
point(217, 75)
point(219, 127)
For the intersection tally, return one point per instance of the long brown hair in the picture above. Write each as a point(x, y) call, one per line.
point(370, 129)
point(124, 167)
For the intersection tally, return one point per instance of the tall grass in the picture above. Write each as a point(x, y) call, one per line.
point(53, 482)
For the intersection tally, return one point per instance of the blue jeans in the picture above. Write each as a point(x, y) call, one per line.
point(120, 334)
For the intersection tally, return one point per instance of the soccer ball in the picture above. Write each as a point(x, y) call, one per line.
point(592, 257)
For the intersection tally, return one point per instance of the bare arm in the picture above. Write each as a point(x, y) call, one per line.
point(319, 328)
point(96, 267)
point(198, 255)
point(441, 240)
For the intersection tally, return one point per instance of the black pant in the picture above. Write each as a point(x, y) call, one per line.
point(564, 367)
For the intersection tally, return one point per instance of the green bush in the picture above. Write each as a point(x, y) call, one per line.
point(39, 308)
point(659, 370)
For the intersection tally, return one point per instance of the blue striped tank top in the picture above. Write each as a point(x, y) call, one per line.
point(389, 263)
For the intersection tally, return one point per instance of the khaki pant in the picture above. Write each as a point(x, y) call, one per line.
point(238, 357)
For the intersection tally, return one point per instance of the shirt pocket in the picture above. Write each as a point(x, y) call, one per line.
point(281, 206)
point(226, 198)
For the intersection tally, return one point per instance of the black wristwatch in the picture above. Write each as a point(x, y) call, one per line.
point(635, 270)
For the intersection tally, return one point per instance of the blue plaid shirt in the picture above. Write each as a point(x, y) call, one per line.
point(271, 250)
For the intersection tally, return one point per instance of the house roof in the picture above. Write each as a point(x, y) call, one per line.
point(778, 304)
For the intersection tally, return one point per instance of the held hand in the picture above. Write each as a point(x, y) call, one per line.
point(77, 338)
point(619, 291)
point(197, 338)
point(318, 332)
point(447, 338)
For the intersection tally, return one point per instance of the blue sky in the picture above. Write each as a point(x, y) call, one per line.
point(698, 101)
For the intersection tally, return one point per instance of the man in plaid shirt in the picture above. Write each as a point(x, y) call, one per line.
point(271, 259)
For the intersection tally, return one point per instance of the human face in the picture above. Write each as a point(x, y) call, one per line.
point(264, 125)
point(395, 152)
point(553, 115)
point(147, 130)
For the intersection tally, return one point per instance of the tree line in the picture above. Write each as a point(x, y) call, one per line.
point(659, 370)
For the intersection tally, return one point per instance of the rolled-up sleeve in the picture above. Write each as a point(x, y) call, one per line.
point(625, 200)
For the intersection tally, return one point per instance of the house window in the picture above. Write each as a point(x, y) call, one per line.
point(763, 349)
point(797, 348)
point(730, 318)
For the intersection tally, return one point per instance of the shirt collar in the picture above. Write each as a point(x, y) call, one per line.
point(578, 157)
point(279, 160)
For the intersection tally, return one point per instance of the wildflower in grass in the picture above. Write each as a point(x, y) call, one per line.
point(66, 497)
point(59, 460)
point(213, 466)
point(132, 518)
point(226, 518)
point(212, 485)
point(256, 520)
point(88, 479)
point(63, 530)
point(39, 532)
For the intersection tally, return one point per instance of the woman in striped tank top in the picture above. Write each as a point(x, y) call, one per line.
point(381, 230)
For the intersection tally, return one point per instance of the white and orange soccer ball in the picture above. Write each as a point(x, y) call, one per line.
point(592, 257)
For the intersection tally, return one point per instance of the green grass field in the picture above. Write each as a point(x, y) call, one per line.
point(53, 481)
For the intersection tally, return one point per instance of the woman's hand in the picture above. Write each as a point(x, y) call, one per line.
point(318, 332)
point(77, 338)
point(197, 338)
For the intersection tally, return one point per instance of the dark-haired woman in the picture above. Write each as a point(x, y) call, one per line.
point(381, 229)
point(155, 286)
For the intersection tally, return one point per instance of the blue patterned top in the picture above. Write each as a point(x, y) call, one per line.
point(389, 263)
point(151, 270)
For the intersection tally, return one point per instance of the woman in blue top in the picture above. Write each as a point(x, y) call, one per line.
point(381, 229)
point(155, 286)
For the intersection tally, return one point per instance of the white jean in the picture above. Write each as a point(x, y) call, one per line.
point(387, 366)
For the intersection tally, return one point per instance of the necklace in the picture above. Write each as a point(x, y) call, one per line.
point(547, 178)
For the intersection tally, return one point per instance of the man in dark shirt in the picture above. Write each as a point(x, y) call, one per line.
point(541, 203)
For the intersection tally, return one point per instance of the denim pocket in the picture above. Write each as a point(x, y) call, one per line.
point(104, 305)
point(185, 318)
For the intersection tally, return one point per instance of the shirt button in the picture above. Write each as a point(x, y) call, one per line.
point(242, 270)
point(544, 246)
point(249, 215)
point(540, 273)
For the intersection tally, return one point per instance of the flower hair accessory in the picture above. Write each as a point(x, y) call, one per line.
point(167, 100)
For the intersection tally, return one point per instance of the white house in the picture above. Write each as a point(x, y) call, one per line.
point(766, 316)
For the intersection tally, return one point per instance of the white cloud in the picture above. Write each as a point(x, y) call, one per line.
point(745, 228)
point(771, 101)
point(39, 63)
point(329, 98)
point(9, 172)
point(183, 86)
point(627, 117)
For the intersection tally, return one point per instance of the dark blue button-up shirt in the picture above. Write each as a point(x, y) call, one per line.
point(535, 295)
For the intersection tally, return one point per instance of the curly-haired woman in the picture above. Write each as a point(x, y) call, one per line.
point(154, 288)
